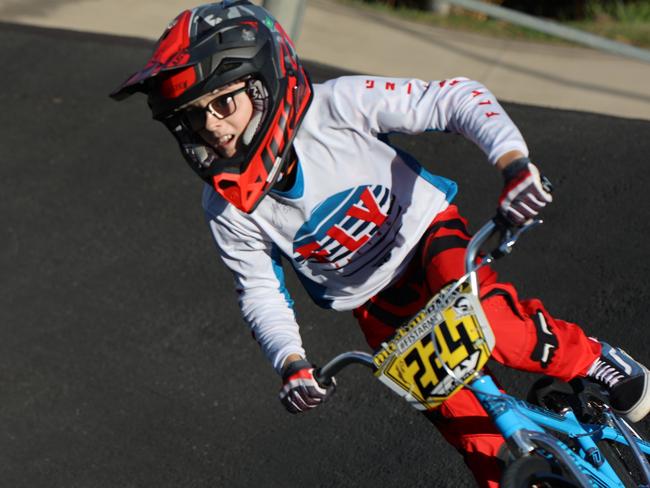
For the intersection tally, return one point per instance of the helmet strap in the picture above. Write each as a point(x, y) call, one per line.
point(287, 176)
point(259, 97)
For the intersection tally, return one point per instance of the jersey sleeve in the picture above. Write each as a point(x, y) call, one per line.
point(411, 106)
point(255, 263)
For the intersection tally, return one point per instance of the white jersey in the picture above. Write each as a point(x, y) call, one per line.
point(358, 207)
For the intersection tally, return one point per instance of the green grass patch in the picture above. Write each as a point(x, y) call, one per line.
point(635, 33)
point(619, 11)
point(627, 23)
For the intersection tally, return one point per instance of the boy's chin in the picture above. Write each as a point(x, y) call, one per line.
point(225, 154)
point(220, 152)
point(228, 152)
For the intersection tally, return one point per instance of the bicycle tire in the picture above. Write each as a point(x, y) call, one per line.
point(618, 462)
point(535, 471)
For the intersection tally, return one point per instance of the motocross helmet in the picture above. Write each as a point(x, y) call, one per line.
point(212, 46)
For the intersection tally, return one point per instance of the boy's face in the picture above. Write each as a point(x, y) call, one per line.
point(224, 115)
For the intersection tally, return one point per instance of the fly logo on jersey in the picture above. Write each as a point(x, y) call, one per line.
point(346, 226)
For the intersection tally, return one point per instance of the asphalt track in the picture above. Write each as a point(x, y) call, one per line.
point(123, 360)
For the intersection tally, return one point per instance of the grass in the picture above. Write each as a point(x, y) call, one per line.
point(617, 10)
point(627, 23)
point(637, 34)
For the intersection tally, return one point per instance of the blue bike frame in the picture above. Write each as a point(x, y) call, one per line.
point(528, 428)
point(525, 426)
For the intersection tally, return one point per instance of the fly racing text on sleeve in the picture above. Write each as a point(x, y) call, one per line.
point(359, 206)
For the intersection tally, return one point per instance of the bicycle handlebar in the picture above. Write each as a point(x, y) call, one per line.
point(509, 237)
point(325, 373)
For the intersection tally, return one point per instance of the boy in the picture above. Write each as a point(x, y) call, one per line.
point(303, 172)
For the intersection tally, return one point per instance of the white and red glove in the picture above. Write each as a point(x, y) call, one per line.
point(300, 390)
point(525, 192)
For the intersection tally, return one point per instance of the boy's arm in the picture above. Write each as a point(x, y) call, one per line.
point(411, 106)
point(265, 304)
point(267, 308)
point(504, 161)
point(255, 263)
point(290, 359)
point(458, 105)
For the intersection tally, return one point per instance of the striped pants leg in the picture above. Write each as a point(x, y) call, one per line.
point(527, 336)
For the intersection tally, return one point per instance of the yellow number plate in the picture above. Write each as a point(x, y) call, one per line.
point(408, 364)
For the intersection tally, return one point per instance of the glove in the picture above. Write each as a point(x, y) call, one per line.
point(300, 390)
point(525, 192)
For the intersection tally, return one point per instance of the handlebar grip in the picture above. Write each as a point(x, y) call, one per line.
point(325, 374)
point(502, 224)
point(322, 380)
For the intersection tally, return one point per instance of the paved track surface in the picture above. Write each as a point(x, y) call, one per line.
point(123, 360)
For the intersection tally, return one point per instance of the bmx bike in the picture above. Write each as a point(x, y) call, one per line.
point(565, 435)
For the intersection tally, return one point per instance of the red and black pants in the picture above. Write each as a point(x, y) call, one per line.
point(527, 337)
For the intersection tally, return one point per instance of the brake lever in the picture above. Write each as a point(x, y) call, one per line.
point(508, 243)
point(510, 235)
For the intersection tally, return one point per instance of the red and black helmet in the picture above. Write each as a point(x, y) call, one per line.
point(209, 47)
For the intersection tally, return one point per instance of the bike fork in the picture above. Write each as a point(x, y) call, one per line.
point(521, 434)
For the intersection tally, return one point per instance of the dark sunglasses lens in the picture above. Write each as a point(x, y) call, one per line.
point(195, 119)
point(223, 106)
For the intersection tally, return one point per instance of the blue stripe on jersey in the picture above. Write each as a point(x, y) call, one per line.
point(328, 213)
point(298, 188)
point(445, 185)
point(316, 291)
point(276, 257)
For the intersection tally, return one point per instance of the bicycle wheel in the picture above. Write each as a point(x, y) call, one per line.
point(535, 472)
point(621, 460)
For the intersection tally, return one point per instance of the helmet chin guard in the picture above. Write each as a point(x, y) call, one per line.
point(209, 47)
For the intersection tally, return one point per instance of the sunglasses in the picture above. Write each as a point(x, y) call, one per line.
point(221, 107)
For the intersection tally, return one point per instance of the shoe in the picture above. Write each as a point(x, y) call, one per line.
point(627, 381)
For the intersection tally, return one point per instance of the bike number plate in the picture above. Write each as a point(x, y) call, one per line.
point(409, 365)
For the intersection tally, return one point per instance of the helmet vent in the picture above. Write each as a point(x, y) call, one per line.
point(236, 36)
point(225, 184)
point(225, 67)
point(203, 28)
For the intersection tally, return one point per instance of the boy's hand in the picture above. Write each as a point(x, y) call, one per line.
point(300, 390)
point(525, 192)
